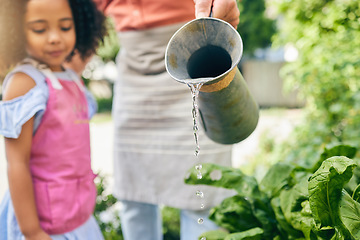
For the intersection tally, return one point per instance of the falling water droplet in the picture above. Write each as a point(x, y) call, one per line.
point(202, 206)
point(194, 111)
point(199, 194)
point(200, 221)
point(203, 238)
point(198, 167)
point(197, 151)
point(199, 175)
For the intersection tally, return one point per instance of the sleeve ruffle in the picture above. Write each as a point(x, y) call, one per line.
point(16, 112)
point(92, 104)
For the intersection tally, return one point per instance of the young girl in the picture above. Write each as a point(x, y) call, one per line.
point(44, 117)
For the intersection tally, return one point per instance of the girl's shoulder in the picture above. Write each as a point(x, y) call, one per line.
point(25, 95)
point(21, 80)
point(26, 74)
point(18, 85)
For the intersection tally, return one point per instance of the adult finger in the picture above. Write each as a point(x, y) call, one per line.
point(226, 10)
point(202, 8)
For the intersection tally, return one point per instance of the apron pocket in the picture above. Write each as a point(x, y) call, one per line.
point(64, 206)
point(42, 203)
point(63, 203)
point(87, 193)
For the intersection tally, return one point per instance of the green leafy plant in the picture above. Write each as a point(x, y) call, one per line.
point(290, 202)
point(105, 202)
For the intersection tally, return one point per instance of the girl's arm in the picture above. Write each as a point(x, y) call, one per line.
point(18, 157)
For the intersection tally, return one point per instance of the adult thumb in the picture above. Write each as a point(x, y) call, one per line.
point(202, 8)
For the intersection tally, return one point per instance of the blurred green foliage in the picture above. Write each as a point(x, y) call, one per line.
point(110, 224)
point(105, 202)
point(326, 73)
point(254, 28)
point(171, 223)
point(108, 51)
point(104, 104)
point(110, 47)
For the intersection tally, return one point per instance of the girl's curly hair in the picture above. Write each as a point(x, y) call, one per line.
point(90, 27)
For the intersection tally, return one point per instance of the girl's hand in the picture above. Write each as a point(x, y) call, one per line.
point(38, 235)
point(226, 10)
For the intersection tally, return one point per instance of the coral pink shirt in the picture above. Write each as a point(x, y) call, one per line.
point(144, 14)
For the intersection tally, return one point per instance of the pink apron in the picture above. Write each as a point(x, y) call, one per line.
point(60, 163)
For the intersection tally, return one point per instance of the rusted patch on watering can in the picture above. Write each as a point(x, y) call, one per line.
point(194, 28)
point(173, 60)
point(232, 42)
point(220, 84)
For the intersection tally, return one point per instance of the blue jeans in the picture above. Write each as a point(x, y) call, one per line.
point(143, 221)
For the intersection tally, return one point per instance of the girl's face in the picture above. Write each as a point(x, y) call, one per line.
point(50, 31)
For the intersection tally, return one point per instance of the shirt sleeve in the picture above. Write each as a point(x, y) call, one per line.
point(16, 112)
point(92, 104)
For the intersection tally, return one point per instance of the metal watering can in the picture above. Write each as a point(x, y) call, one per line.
point(208, 50)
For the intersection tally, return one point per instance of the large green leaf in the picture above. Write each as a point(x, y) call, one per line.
point(214, 235)
point(350, 214)
point(226, 177)
point(294, 205)
point(339, 150)
point(264, 213)
point(325, 191)
point(251, 234)
point(276, 178)
point(356, 193)
point(284, 226)
point(235, 214)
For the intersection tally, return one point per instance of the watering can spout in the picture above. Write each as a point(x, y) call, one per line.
point(207, 51)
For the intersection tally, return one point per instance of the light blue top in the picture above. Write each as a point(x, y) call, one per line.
point(16, 112)
point(10, 230)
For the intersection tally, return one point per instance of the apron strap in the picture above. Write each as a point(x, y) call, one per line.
point(76, 79)
point(53, 79)
point(51, 76)
point(45, 70)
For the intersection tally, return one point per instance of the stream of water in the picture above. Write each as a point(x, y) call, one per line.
point(195, 88)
